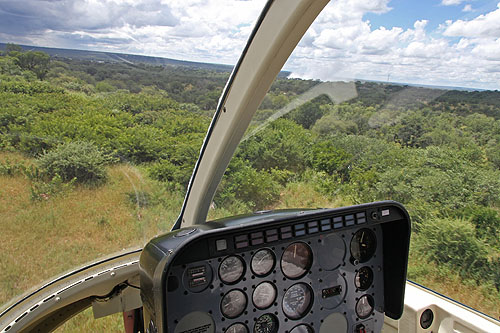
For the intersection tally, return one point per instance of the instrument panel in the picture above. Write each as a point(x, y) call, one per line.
point(293, 272)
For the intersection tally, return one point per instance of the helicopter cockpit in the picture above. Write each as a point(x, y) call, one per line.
point(273, 271)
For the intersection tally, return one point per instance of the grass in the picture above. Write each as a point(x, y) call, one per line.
point(442, 279)
point(84, 322)
point(43, 239)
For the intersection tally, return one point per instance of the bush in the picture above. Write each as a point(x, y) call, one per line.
point(243, 183)
point(486, 222)
point(452, 242)
point(75, 160)
point(41, 190)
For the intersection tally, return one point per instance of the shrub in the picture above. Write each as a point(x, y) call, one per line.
point(75, 160)
point(452, 242)
point(243, 183)
point(165, 171)
point(41, 190)
point(9, 168)
point(486, 222)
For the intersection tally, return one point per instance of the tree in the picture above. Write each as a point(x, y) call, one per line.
point(13, 49)
point(35, 61)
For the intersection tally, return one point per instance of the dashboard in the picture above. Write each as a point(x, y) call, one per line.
point(294, 271)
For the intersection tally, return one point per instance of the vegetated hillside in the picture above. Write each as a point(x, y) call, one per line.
point(436, 151)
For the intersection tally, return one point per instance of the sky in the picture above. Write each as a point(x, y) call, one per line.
point(433, 42)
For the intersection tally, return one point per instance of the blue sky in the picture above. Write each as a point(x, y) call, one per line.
point(405, 12)
point(440, 42)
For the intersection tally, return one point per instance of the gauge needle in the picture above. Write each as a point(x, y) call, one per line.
point(262, 259)
point(294, 251)
point(232, 302)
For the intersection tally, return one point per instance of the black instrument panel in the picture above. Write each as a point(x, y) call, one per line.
point(316, 271)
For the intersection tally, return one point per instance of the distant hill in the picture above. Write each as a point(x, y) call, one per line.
point(128, 58)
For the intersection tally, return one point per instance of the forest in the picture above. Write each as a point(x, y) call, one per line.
point(73, 126)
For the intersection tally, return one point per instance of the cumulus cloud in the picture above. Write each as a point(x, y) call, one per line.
point(451, 2)
point(341, 44)
point(467, 8)
point(487, 25)
point(449, 55)
point(24, 16)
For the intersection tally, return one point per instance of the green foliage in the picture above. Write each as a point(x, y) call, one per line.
point(79, 162)
point(308, 113)
point(44, 190)
point(166, 171)
point(330, 159)
point(486, 222)
point(276, 147)
point(9, 168)
point(245, 185)
point(104, 86)
point(28, 88)
point(35, 61)
point(453, 243)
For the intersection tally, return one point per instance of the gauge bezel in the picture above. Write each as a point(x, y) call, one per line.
point(238, 323)
point(306, 268)
point(373, 249)
point(309, 328)
point(273, 255)
point(371, 301)
point(357, 275)
point(274, 318)
point(274, 298)
point(242, 275)
point(303, 313)
point(242, 311)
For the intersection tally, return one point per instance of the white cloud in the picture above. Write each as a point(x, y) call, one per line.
point(342, 43)
point(451, 2)
point(467, 8)
point(351, 48)
point(487, 25)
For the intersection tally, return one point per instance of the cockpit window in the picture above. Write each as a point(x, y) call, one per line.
point(381, 100)
point(372, 107)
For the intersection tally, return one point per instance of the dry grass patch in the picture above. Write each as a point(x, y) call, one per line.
point(40, 240)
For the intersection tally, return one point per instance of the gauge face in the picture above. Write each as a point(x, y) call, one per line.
point(237, 328)
point(263, 262)
point(231, 269)
point(364, 278)
point(302, 329)
point(296, 260)
point(264, 295)
point(267, 323)
point(297, 300)
point(364, 306)
point(363, 245)
point(233, 303)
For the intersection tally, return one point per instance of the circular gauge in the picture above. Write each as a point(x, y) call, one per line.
point(262, 262)
point(264, 295)
point(267, 323)
point(363, 245)
point(364, 306)
point(297, 301)
point(237, 328)
point(233, 303)
point(296, 260)
point(302, 329)
point(231, 269)
point(364, 278)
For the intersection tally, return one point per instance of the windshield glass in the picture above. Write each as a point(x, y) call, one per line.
point(389, 101)
point(104, 107)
